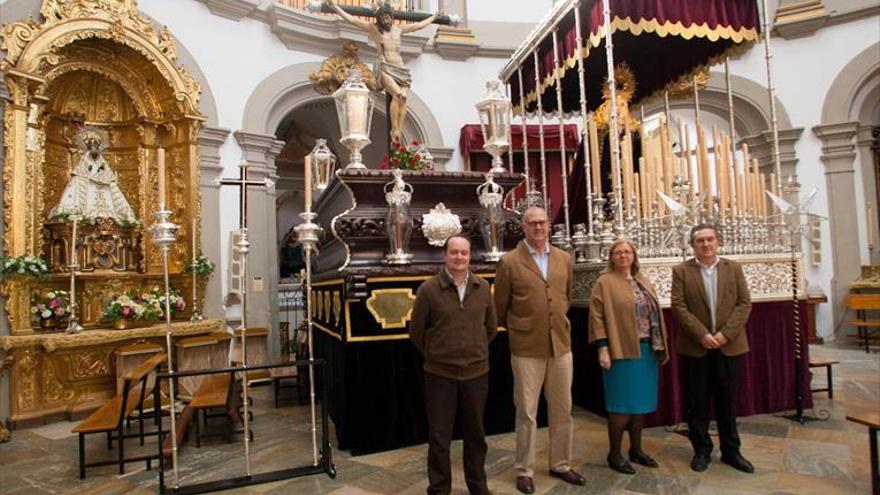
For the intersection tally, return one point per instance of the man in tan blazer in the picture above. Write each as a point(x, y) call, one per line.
point(532, 292)
point(710, 299)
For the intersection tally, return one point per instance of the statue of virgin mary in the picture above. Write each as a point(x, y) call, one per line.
point(92, 190)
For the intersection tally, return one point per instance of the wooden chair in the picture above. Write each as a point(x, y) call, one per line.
point(297, 374)
point(872, 421)
point(129, 358)
point(199, 353)
point(258, 353)
point(110, 417)
point(867, 327)
point(817, 362)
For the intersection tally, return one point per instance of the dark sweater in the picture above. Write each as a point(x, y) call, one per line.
point(454, 336)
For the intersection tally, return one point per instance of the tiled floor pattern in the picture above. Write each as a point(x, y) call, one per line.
point(815, 458)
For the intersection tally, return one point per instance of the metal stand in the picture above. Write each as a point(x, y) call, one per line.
point(164, 235)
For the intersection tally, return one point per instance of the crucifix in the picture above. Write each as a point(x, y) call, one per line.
point(242, 246)
point(391, 73)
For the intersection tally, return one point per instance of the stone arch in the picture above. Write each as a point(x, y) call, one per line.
point(286, 89)
point(845, 133)
point(752, 122)
point(852, 86)
point(750, 103)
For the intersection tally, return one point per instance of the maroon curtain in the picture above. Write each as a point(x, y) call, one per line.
point(767, 376)
point(471, 145)
point(657, 56)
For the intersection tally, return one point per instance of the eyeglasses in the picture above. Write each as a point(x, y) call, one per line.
point(537, 223)
point(618, 253)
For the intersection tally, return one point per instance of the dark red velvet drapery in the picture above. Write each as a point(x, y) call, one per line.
point(660, 40)
point(471, 145)
point(767, 379)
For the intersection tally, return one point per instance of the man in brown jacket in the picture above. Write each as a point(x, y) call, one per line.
point(710, 300)
point(532, 292)
point(453, 321)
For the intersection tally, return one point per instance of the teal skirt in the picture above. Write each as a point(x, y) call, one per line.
point(631, 384)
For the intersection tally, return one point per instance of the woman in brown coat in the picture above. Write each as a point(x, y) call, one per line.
point(627, 325)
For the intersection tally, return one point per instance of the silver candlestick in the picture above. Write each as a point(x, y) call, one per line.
point(164, 235)
point(309, 233)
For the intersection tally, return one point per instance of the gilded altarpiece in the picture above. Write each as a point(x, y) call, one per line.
point(98, 64)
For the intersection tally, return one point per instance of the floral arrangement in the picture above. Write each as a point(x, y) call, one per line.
point(67, 217)
point(26, 265)
point(51, 305)
point(406, 157)
point(202, 266)
point(130, 306)
point(157, 294)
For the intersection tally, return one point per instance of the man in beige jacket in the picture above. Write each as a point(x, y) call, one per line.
point(711, 301)
point(532, 292)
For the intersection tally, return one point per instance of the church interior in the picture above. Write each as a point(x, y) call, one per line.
point(217, 216)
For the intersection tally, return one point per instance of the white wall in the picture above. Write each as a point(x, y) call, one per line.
point(236, 56)
point(803, 70)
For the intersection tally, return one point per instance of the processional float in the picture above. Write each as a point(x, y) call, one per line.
point(674, 183)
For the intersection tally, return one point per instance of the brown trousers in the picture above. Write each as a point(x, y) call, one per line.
point(445, 400)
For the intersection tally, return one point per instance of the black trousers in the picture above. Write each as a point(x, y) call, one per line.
point(713, 376)
point(445, 400)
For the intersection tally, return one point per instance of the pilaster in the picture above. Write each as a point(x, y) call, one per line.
point(260, 151)
point(211, 139)
point(838, 156)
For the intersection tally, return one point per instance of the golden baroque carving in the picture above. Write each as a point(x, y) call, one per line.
point(90, 364)
point(334, 70)
point(25, 367)
point(55, 388)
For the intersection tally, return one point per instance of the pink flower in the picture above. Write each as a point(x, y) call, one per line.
point(59, 312)
point(126, 311)
point(54, 303)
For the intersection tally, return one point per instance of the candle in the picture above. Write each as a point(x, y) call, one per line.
point(643, 190)
point(638, 198)
point(307, 185)
point(773, 188)
point(595, 161)
point(666, 155)
point(686, 151)
point(73, 259)
point(194, 231)
point(160, 158)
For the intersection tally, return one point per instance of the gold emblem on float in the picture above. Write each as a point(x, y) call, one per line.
point(391, 308)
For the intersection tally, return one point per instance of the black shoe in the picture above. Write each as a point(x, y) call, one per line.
point(642, 458)
point(620, 466)
point(700, 462)
point(738, 462)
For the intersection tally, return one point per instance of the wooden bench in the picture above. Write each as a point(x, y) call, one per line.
point(867, 327)
point(817, 362)
point(110, 417)
point(872, 421)
point(216, 391)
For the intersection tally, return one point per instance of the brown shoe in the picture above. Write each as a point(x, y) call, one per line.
point(525, 484)
point(570, 476)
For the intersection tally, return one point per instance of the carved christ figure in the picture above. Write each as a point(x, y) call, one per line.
point(394, 77)
point(92, 190)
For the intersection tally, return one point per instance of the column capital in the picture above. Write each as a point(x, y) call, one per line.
point(211, 139)
point(838, 146)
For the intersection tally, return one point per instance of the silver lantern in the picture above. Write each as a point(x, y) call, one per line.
point(491, 195)
point(398, 223)
point(494, 110)
point(323, 165)
point(354, 108)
